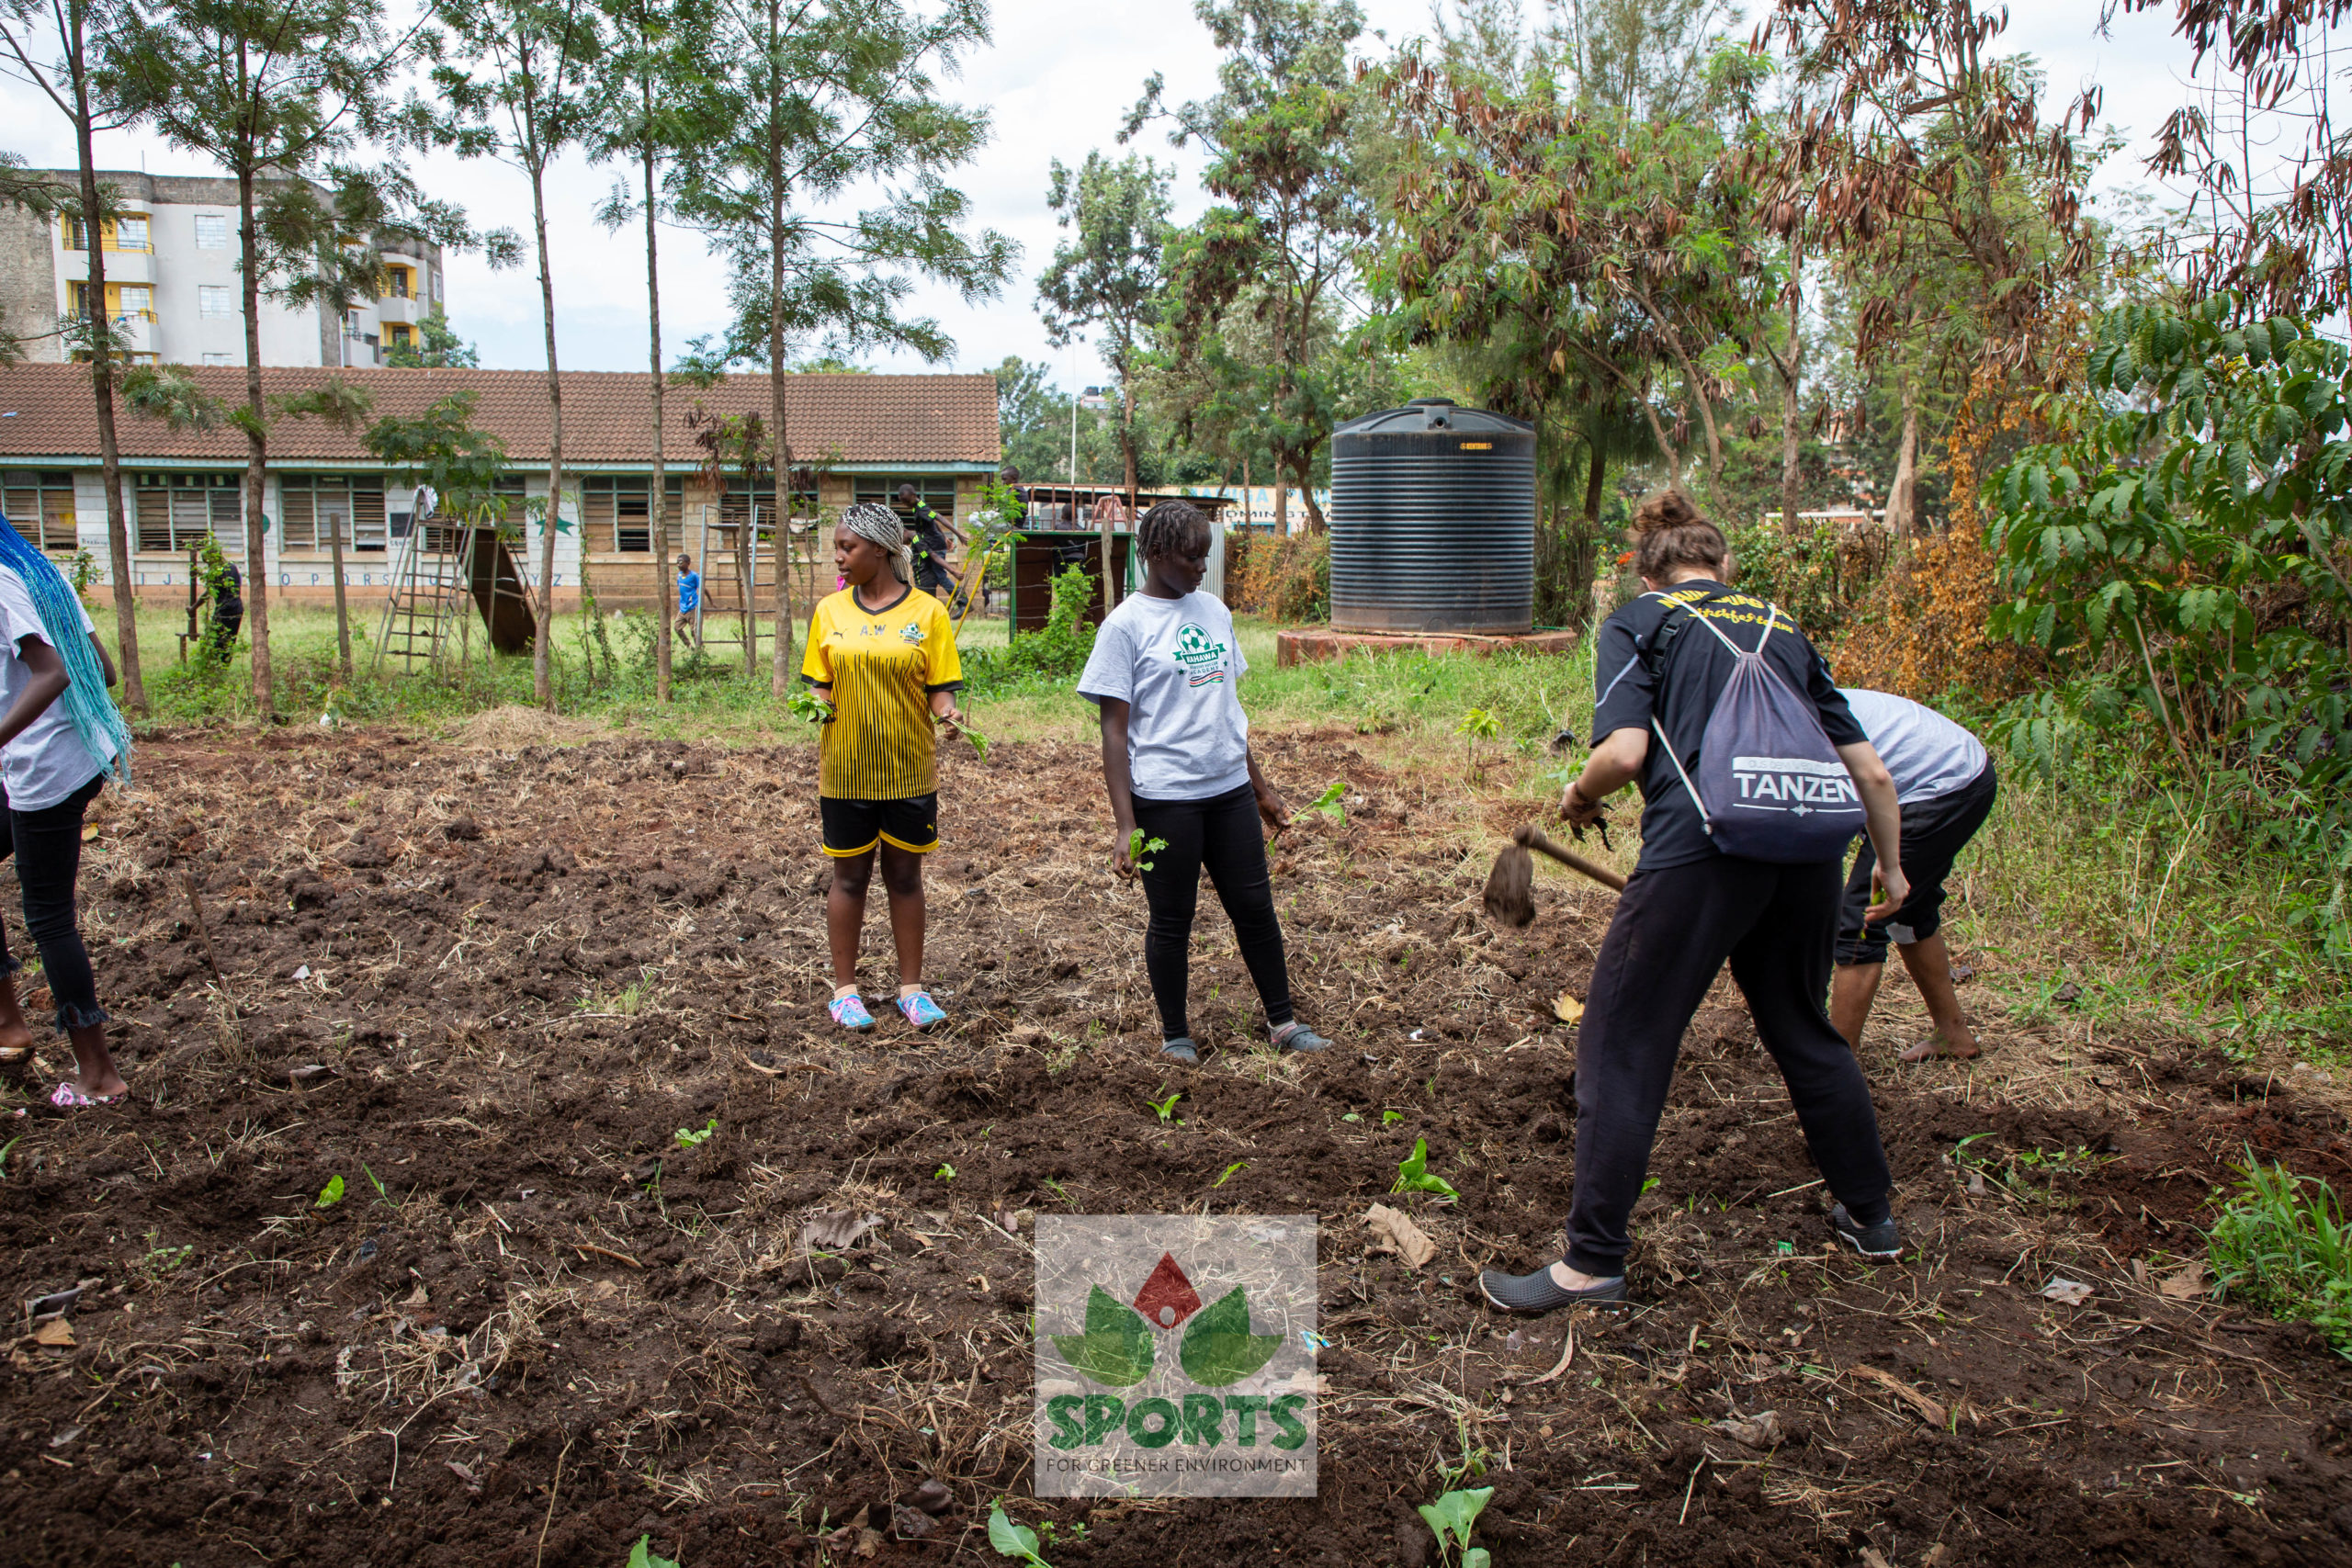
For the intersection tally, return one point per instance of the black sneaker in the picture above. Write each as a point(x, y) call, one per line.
point(1540, 1293)
point(1294, 1036)
point(1181, 1050)
point(1880, 1242)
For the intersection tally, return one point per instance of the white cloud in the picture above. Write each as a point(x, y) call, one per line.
point(1057, 81)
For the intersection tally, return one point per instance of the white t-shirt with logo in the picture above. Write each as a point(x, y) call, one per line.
point(1175, 663)
point(48, 760)
point(1927, 753)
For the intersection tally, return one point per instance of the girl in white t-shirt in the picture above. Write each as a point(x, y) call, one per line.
point(1176, 758)
point(59, 738)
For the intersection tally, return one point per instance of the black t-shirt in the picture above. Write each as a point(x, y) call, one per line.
point(929, 540)
point(1695, 668)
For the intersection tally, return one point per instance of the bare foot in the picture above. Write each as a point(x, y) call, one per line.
point(105, 1086)
point(1933, 1046)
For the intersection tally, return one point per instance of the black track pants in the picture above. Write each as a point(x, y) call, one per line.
point(1672, 931)
point(1222, 834)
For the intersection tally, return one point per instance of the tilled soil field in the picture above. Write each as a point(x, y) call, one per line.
point(486, 987)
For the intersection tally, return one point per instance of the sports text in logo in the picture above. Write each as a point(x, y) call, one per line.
point(1201, 656)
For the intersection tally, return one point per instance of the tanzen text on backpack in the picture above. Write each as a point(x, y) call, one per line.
point(1769, 785)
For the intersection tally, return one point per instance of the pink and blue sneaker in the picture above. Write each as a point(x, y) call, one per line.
point(920, 1010)
point(850, 1013)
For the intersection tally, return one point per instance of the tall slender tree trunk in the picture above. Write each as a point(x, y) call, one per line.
point(659, 501)
point(342, 608)
point(1792, 384)
point(780, 670)
point(256, 448)
point(1902, 496)
point(1113, 581)
point(542, 645)
point(126, 600)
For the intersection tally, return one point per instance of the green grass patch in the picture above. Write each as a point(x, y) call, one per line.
point(2281, 1244)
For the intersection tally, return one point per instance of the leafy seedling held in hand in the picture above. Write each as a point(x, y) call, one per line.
point(1451, 1519)
point(1139, 846)
point(690, 1139)
point(807, 705)
point(331, 1194)
point(1413, 1174)
point(1331, 808)
point(1165, 1109)
point(1016, 1541)
point(979, 742)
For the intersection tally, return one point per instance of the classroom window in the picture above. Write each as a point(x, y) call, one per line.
point(216, 299)
point(177, 511)
point(41, 506)
point(937, 491)
point(211, 230)
point(613, 511)
point(320, 507)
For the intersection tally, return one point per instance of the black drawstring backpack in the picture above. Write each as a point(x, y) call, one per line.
point(1770, 786)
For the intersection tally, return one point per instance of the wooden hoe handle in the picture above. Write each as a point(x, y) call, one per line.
point(1534, 838)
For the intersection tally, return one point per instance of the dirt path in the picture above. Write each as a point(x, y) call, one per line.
point(487, 988)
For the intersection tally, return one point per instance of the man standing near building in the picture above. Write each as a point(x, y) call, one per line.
point(930, 533)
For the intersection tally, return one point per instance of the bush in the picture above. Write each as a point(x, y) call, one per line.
point(1923, 630)
point(1055, 653)
point(1285, 578)
point(1821, 573)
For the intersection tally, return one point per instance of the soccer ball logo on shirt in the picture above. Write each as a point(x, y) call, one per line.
point(1203, 659)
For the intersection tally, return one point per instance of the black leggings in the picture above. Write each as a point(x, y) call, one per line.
point(48, 848)
point(1222, 834)
point(1672, 931)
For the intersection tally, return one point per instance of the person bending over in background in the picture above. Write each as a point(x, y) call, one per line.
point(1944, 778)
point(59, 737)
point(931, 533)
point(1176, 759)
point(1661, 663)
point(882, 652)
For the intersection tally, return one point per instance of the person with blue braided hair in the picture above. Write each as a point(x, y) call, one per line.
point(61, 737)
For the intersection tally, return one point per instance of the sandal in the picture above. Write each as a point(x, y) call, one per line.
point(66, 1096)
point(850, 1013)
point(920, 1010)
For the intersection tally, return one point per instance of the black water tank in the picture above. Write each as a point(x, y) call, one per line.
point(1433, 521)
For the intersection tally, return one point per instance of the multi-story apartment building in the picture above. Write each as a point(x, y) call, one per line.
point(172, 283)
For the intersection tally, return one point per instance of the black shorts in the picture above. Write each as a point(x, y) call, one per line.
point(853, 827)
point(1934, 833)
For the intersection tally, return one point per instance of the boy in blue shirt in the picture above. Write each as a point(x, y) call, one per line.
point(689, 600)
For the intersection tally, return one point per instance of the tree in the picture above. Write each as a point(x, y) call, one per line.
point(520, 92)
point(271, 90)
point(1279, 137)
point(437, 346)
point(444, 449)
point(1110, 277)
point(825, 97)
point(82, 33)
point(655, 84)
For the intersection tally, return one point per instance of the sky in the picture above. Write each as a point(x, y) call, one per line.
point(1057, 82)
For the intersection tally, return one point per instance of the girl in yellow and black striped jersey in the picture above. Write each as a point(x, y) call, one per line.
point(882, 652)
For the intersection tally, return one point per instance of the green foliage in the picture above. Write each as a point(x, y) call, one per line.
point(331, 1194)
point(688, 1138)
point(1055, 652)
point(1139, 846)
point(1009, 1539)
point(2182, 554)
point(1413, 1174)
point(444, 449)
point(806, 704)
point(1165, 1109)
point(641, 1555)
point(945, 1173)
point(435, 346)
point(2283, 1243)
point(1451, 1519)
point(1108, 276)
point(1819, 573)
point(1478, 725)
point(1330, 805)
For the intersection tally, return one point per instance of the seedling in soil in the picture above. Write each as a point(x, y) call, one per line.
point(1230, 1170)
point(4, 1152)
point(1451, 1519)
point(807, 705)
point(1165, 1109)
point(331, 1194)
point(1139, 846)
point(641, 1555)
point(1016, 1541)
point(161, 1261)
point(945, 1173)
point(690, 1139)
point(1413, 1174)
point(1389, 1117)
point(382, 1191)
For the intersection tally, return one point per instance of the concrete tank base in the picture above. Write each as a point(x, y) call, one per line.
point(1315, 645)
